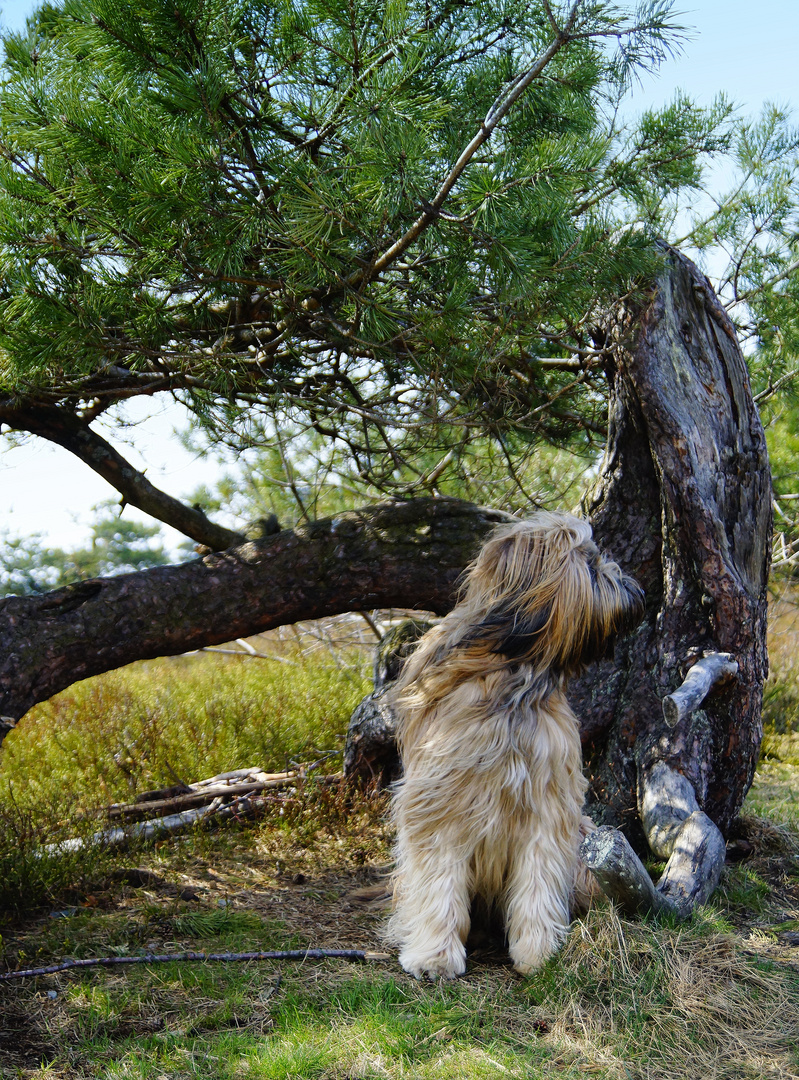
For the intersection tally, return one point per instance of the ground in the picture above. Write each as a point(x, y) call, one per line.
point(622, 1000)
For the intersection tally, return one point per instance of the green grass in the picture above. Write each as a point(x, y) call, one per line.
point(148, 726)
point(621, 1000)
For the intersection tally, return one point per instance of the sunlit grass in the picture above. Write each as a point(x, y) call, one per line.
point(622, 1000)
point(149, 726)
point(716, 998)
point(158, 722)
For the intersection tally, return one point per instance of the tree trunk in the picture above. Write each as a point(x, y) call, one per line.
point(683, 502)
point(671, 725)
point(406, 555)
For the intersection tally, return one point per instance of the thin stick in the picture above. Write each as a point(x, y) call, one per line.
point(183, 957)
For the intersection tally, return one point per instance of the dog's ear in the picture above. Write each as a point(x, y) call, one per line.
point(507, 632)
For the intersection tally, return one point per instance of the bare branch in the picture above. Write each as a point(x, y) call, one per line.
point(700, 680)
point(70, 431)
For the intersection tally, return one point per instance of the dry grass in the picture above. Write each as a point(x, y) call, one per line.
point(668, 997)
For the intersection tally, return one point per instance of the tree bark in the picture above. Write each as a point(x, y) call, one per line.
point(406, 555)
point(683, 502)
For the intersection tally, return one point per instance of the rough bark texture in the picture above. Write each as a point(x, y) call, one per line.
point(621, 874)
point(406, 555)
point(371, 754)
point(683, 502)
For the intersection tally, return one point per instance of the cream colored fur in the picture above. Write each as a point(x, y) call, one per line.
point(490, 803)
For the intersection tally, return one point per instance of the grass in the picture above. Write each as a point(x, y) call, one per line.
point(716, 999)
point(157, 722)
point(146, 727)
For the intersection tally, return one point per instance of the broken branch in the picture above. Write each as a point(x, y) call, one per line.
point(183, 957)
point(700, 680)
point(620, 873)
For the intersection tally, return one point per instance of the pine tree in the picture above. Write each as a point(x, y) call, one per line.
point(392, 223)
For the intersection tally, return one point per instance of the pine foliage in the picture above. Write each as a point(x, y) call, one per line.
point(293, 208)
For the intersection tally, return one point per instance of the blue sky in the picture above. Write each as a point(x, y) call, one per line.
point(744, 48)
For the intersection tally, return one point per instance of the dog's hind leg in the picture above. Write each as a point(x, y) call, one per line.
point(431, 920)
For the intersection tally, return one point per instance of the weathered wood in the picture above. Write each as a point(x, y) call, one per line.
point(371, 754)
point(189, 800)
point(694, 869)
point(621, 874)
point(683, 502)
point(394, 648)
point(147, 831)
point(676, 829)
point(303, 955)
point(713, 668)
point(666, 799)
point(404, 555)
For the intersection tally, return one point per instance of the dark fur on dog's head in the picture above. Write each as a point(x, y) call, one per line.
point(541, 592)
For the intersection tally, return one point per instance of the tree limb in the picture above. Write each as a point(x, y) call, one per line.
point(713, 668)
point(183, 957)
point(60, 426)
point(676, 829)
point(620, 873)
point(406, 555)
point(498, 111)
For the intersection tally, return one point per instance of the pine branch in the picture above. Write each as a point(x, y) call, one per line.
point(498, 111)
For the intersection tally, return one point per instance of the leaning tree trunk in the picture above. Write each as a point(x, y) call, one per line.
point(683, 502)
point(671, 725)
point(405, 555)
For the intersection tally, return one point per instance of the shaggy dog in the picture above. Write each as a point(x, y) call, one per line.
point(491, 799)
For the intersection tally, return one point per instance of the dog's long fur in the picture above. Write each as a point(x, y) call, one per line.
point(491, 799)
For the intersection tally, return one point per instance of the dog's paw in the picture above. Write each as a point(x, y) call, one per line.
point(444, 964)
point(532, 952)
point(528, 967)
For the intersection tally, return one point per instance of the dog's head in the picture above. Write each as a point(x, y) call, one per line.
point(541, 592)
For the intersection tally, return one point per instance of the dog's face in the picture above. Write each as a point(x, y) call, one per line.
point(541, 592)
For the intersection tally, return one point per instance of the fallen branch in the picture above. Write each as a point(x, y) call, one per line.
point(153, 804)
point(183, 957)
point(223, 796)
point(145, 831)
